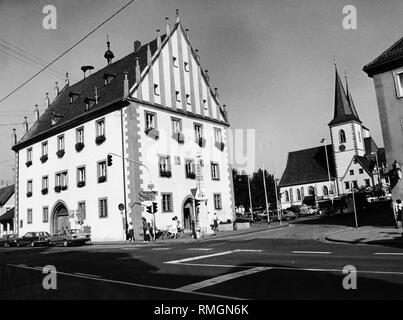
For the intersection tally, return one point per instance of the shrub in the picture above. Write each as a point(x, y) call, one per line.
point(101, 179)
point(44, 191)
point(28, 163)
point(44, 158)
point(58, 189)
point(60, 153)
point(79, 146)
point(80, 184)
point(100, 139)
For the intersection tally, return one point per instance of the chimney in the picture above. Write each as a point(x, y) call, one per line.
point(137, 46)
point(206, 74)
point(197, 55)
point(216, 94)
point(177, 16)
point(148, 55)
point(57, 91)
point(158, 39)
point(36, 113)
point(47, 101)
point(67, 81)
point(14, 137)
point(126, 84)
point(167, 27)
point(25, 125)
point(137, 69)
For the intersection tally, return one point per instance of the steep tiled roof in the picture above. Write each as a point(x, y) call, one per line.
point(344, 109)
point(308, 166)
point(9, 215)
point(5, 194)
point(390, 59)
point(107, 94)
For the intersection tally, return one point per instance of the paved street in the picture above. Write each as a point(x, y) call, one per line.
point(272, 264)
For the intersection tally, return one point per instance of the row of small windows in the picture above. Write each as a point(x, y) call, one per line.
point(354, 183)
point(342, 136)
point(151, 126)
point(99, 139)
point(360, 171)
point(175, 64)
point(61, 178)
point(102, 211)
point(167, 202)
point(289, 196)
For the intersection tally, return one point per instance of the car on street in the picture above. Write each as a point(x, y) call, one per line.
point(8, 240)
point(33, 239)
point(68, 237)
point(288, 215)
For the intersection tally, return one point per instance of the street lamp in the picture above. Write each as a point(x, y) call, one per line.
point(278, 212)
point(355, 210)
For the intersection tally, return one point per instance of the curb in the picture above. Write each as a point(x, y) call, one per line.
point(190, 240)
point(373, 242)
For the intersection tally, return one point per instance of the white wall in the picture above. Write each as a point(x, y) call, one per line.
point(110, 228)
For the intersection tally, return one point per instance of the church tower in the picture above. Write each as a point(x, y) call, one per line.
point(346, 129)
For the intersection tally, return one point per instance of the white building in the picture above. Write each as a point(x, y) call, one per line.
point(154, 107)
point(7, 201)
point(351, 159)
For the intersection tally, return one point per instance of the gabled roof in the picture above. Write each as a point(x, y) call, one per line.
point(391, 58)
point(308, 166)
point(5, 194)
point(110, 97)
point(344, 109)
point(7, 216)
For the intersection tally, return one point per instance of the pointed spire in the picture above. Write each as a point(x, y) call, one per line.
point(177, 16)
point(108, 54)
point(36, 112)
point(47, 101)
point(25, 124)
point(349, 97)
point(67, 81)
point(137, 69)
point(126, 84)
point(187, 34)
point(167, 27)
point(343, 111)
point(148, 54)
point(158, 39)
point(57, 91)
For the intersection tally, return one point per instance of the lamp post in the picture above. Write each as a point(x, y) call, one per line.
point(250, 200)
point(355, 210)
point(278, 212)
point(265, 196)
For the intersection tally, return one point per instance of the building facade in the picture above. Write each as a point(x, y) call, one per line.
point(352, 160)
point(7, 202)
point(155, 113)
point(387, 73)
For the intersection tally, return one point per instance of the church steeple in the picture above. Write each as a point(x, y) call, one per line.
point(344, 109)
point(349, 97)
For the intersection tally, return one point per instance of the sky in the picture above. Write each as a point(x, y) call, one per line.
point(271, 60)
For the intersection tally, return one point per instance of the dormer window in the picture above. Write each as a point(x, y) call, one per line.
point(175, 62)
point(108, 77)
point(89, 103)
point(73, 96)
point(56, 118)
point(186, 66)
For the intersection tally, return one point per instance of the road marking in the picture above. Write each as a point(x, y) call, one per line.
point(389, 253)
point(312, 252)
point(132, 284)
point(200, 249)
point(200, 257)
point(134, 248)
point(212, 255)
point(216, 244)
point(160, 249)
point(87, 274)
point(220, 279)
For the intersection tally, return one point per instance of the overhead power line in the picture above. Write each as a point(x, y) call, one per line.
point(66, 51)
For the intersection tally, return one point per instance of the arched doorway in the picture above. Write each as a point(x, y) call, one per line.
point(60, 217)
point(187, 213)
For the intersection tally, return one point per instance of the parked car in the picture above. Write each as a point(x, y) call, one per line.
point(308, 211)
point(8, 240)
point(68, 237)
point(33, 239)
point(288, 215)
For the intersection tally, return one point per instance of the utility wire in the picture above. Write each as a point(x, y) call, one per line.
point(66, 51)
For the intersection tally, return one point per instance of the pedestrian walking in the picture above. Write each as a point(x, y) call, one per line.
point(131, 233)
point(215, 221)
point(146, 233)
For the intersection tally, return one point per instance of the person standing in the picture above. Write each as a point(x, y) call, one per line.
point(131, 233)
point(145, 230)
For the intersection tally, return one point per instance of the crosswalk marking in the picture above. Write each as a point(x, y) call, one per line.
point(220, 279)
point(312, 252)
point(389, 253)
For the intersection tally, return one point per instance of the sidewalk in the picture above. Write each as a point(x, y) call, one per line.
point(255, 227)
point(368, 235)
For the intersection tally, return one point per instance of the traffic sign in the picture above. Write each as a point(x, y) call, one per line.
point(147, 195)
point(121, 207)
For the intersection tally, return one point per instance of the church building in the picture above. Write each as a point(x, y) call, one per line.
point(351, 160)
